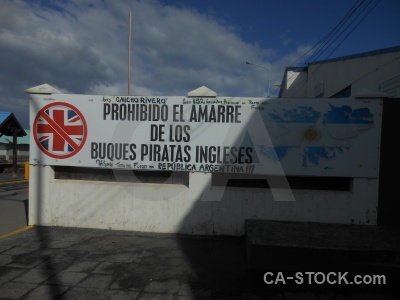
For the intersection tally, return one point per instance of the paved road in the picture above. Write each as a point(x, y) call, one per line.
point(8, 177)
point(13, 203)
point(17, 190)
point(75, 263)
point(71, 263)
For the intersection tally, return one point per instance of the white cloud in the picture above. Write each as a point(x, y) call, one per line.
point(82, 48)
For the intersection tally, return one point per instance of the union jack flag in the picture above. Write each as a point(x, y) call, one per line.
point(60, 130)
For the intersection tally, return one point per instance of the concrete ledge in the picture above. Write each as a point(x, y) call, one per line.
point(299, 245)
point(13, 182)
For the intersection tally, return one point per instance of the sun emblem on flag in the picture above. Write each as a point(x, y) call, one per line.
point(311, 135)
point(59, 130)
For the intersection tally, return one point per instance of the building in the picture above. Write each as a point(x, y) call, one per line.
point(322, 153)
point(6, 148)
point(234, 159)
point(365, 75)
point(11, 133)
point(371, 73)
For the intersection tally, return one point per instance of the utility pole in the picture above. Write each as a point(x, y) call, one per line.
point(129, 53)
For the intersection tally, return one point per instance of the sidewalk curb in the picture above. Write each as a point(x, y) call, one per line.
point(14, 181)
point(16, 231)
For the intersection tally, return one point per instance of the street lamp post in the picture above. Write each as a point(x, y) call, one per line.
point(250, 63)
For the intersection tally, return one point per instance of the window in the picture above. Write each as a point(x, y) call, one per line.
point(345, 93)
point(134, 176)
point(295, 182)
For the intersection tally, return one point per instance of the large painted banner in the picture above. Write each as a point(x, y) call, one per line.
point(277, 136)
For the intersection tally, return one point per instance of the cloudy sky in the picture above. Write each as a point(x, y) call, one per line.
point(81, 46)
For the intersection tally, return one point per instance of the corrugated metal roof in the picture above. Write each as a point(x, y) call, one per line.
point(20, 140)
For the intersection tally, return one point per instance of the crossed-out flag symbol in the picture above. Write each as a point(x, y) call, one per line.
point(60, 130)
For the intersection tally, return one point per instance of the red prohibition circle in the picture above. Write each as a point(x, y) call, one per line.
point(59, 130)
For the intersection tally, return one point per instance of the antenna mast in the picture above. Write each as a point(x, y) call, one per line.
point(129, 53)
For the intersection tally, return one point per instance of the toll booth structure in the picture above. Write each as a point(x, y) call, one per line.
point(199, 163)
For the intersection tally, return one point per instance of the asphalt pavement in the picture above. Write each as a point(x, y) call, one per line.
point(78, 263)
point(14, 194)
point(52, 262)
point(8, 177)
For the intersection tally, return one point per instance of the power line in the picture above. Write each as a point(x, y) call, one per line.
point(321, 42)
point(353, 14)
point(323, 45)
point(351, 31)
point(333, 39)
point(329, 38)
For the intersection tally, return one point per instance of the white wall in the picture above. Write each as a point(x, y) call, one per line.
point(197, 209)
point(296, 84)
point(361, 73)
point(348, 150)
point(378, 72)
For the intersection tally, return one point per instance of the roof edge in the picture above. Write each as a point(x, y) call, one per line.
point(42, 89)
point(358, 55)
